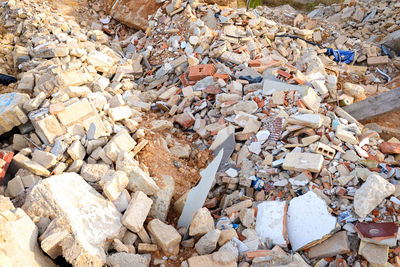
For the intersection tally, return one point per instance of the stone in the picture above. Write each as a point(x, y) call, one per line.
point(235, 58)
point(45, 159)
point(27, 82)
point(94, 172)
point(354, 90)
point(76, 150)
point(303, 229)
point(278, 98)
point(59, 51)
point(147, 248)
point(19, 246)
point(81, 112)
point(310, 120)
point(350, 155)
point(100, 61)
point(167, 238)
point(239, 206)
point(29, 180)
point(216, 259)
point(380, 60)
point(208, 242)
point(161, 125)
point(123, 259)
point(137, 211)
point(226, 236)
point(335, 245)
point(162, 199)
point(295, 161)
point(76, 232)
point(133, 14)
point(78, 91)
point(113, 183)
point(202, 223)
point(247, 217)
point(138, 179)
point(271, 222)
point(36, 168)
point(376, 255)
point(311, 100)
point(371, 194)
point(122, 202)
point(392, 40)
point(182, 152)
point(47, 127)
point(120, 113)
point(320, 86)
point(15, 186)
point(122, 141)
point(346, 136)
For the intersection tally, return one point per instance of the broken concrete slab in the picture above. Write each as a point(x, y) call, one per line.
point(303, 230)
point(271, 222)
point(334, 245)
point(371, 194)
point(66, 199)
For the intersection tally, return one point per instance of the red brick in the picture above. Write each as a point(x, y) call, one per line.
point(255, 63)
point(222, 76)
point(201, 71)
point(390, 148)
point(185, 119)
point(284, 74)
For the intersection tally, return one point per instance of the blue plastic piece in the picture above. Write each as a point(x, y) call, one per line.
point(258, 184)
point(341, 55)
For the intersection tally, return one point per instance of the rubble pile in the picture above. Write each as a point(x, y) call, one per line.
point(283, 176)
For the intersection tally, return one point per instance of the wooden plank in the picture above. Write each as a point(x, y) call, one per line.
point(375, 105)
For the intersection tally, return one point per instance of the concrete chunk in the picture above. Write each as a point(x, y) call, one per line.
point(303, 229)
point(45, 159)
point(295, 161)
point(371, 194)
point(202, 222)
point(113, 183)
point(376, 255)
point(167, 237)
point(310, 120)
point(335, 245)
point(137, 211)
point(271, 222)
point(123, 259)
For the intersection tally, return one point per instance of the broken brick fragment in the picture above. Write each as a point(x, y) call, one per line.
point(199, 72)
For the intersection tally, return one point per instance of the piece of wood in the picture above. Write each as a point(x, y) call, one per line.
point(375, 105)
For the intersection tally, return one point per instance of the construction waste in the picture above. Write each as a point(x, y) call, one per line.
point(213, 137)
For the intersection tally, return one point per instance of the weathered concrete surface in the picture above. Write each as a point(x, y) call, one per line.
point(82, 219)
point(132, 13)
point(18, 235)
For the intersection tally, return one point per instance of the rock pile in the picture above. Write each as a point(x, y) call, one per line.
point(300, 182)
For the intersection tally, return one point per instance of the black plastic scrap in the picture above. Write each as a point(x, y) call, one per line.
point(7, 79)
